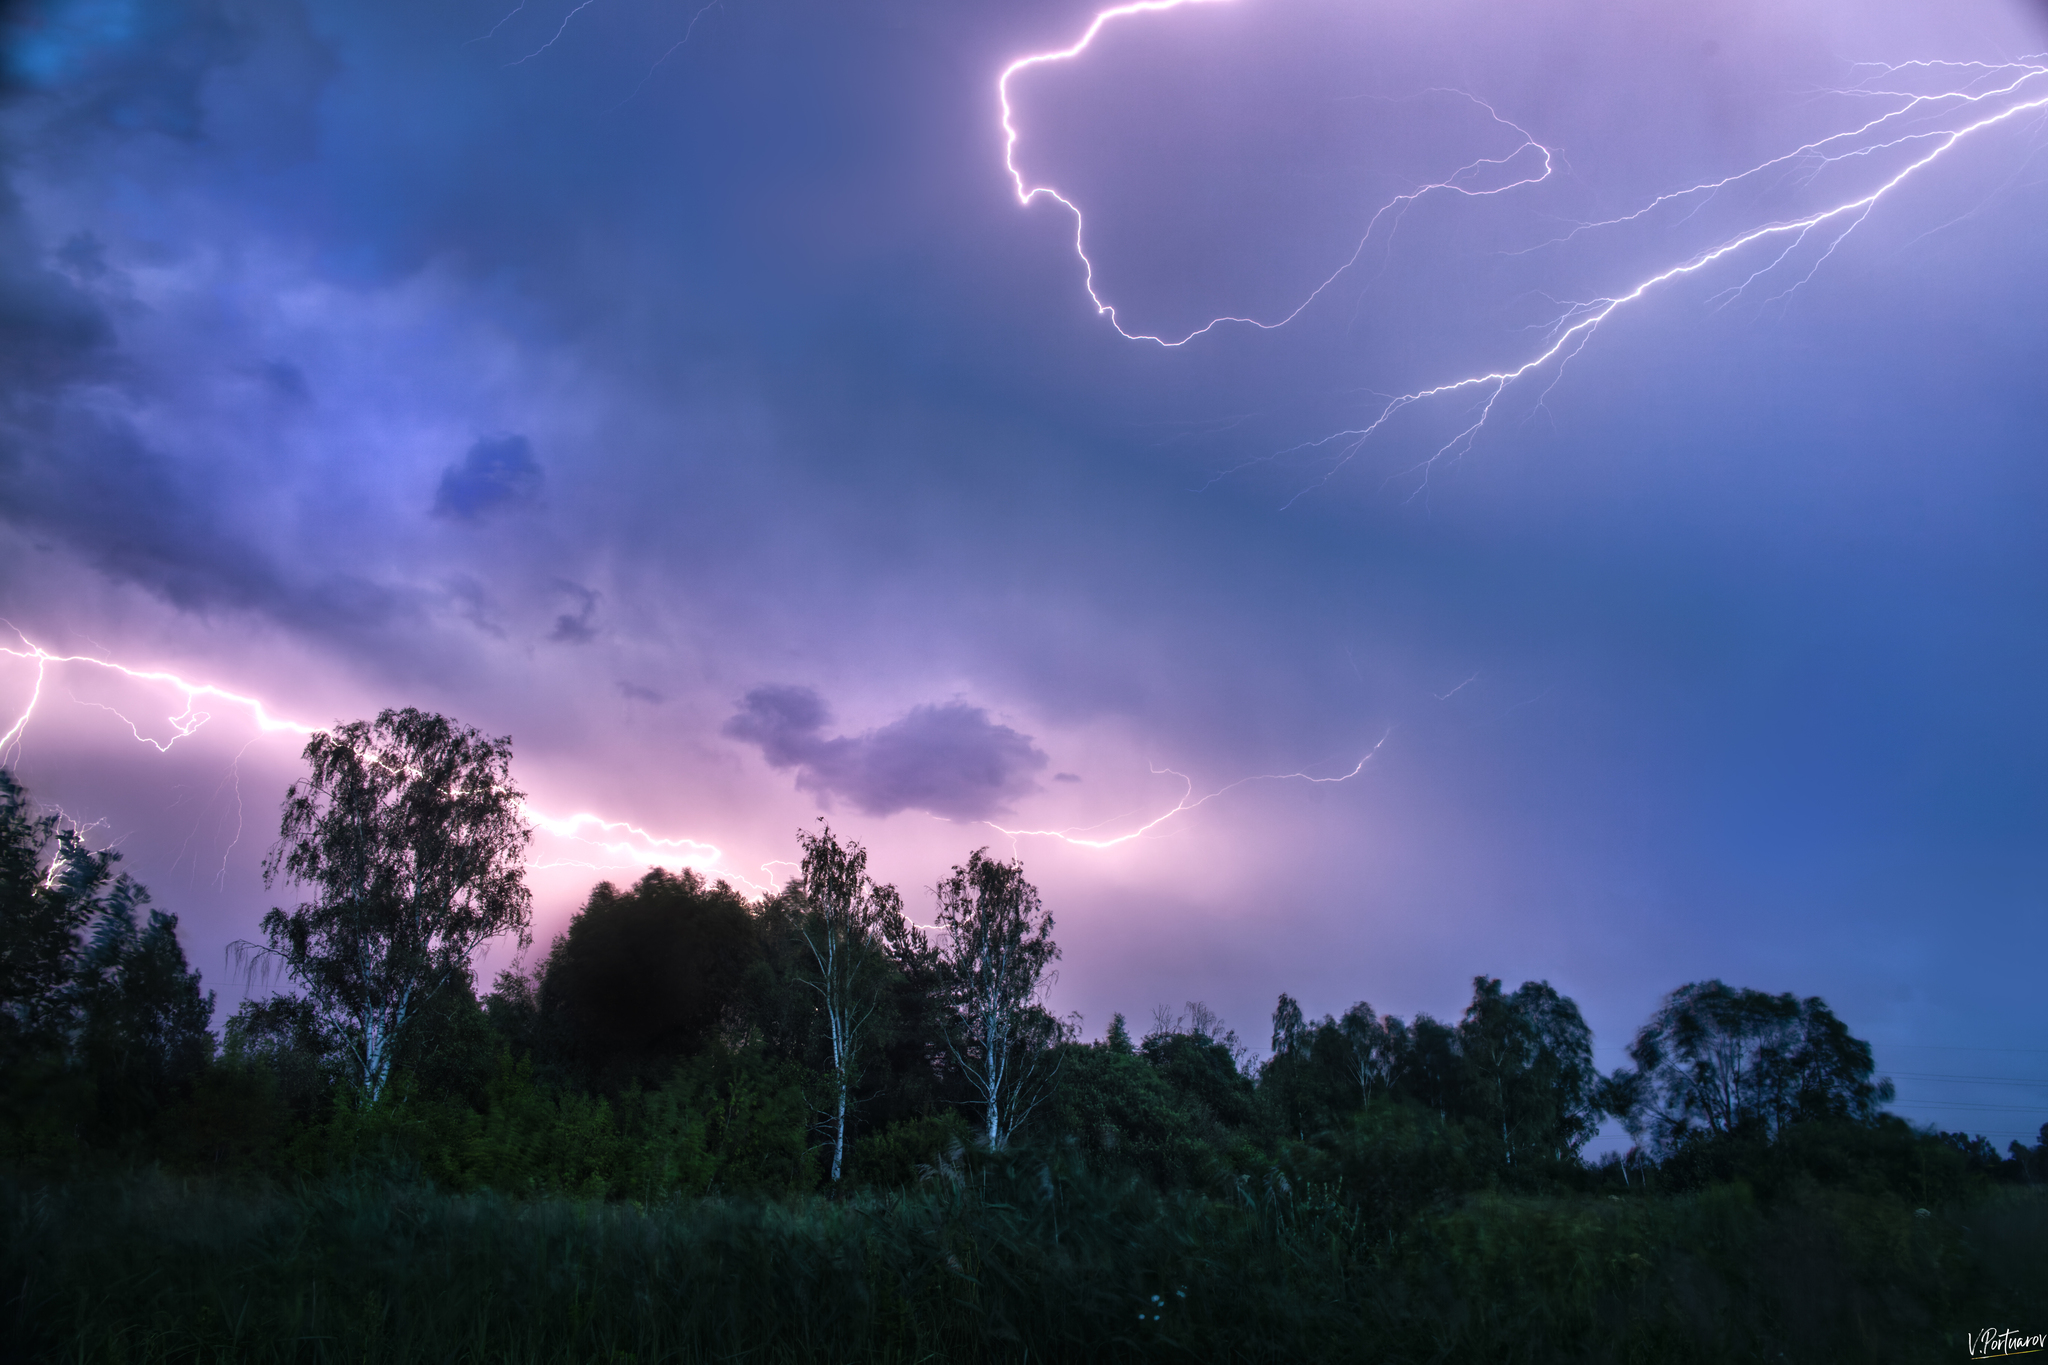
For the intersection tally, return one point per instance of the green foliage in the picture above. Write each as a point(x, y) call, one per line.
point(1176, 1111)
point(1014, 1259)
point(853, 933)
point(756, 1115)
point(1203, 1069)
point(1529, 1071)
point(1393, 1159)
point(734, 1123)
point(911, 1149)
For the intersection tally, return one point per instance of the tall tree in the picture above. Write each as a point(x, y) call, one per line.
point(408, 832)
point(1529, 1057)
point(82, 983)
point(1720, 1060)
point(1367, 1051)
point(1324, 1068)
point(645, 976)
point(46, 898)
point(144, 1028)
point(998, 949)
point(847, 923)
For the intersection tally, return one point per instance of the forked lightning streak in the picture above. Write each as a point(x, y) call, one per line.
point(1188, 801)
point(1921, 127)
point(626, 845)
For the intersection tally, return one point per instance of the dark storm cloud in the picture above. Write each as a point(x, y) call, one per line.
point(74, 468)
point(497, 474)
point(129, 67)
point(579, 626)
point(949, 759)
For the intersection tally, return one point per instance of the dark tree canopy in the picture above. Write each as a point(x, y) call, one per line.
point(1717, 1060)
point(46, 878)
point(1530, 1069)
point(145, 1024)
point(92, 980)
point(643, 976)
point(1517, 1067)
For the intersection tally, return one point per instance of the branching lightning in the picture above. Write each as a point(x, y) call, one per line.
point(672, 50)
point(613, 844)
point(1458, 182)
point(1188, 801)
point(624, 845)
point(1919, 129)
point(579, 8)
point(2024, 91)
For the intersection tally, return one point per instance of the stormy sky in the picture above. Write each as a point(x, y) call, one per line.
point(682, 389)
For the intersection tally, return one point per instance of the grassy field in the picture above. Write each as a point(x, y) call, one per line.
point(1009, 1263)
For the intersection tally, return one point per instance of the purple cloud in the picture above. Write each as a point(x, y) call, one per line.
point(949, 759)
point(498, 472)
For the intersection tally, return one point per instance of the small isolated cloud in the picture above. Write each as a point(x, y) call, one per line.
point(1066, 777)
point(949, 759)
point(498, 473)
point(633, 691)
point(578, 627)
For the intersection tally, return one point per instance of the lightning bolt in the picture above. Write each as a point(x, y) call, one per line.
point(625, 845)
point(629, 845)
point(2025, 91)
point(1922, 128)
point(1188, 801)
point(510, 14)
point(1458, 182)
point(586, 4)
point(673, 49)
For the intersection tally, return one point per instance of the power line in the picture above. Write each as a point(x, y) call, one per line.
point(1953, 1047)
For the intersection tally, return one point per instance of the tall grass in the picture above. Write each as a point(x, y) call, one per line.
point(1008, 1263)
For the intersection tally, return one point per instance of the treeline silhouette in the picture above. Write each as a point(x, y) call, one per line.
point(834, 1134)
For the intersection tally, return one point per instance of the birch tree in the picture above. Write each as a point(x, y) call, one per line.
point(997, 951)
point(1367, 1049)
point(409, 836)
point(847, 920)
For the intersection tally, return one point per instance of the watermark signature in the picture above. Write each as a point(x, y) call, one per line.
point(1994, 1343)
